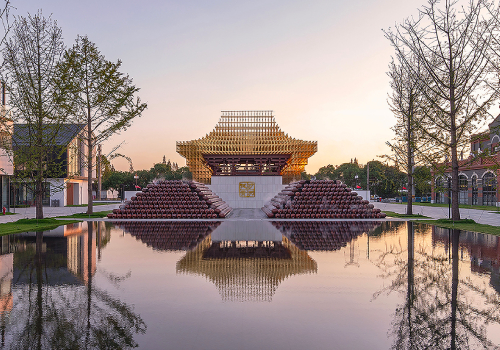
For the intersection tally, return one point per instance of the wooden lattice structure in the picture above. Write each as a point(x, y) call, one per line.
point(250, 141)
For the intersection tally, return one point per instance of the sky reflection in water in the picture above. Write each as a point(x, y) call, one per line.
point(250, 285)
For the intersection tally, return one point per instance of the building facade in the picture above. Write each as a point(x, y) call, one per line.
point(6, 164)
point(68, 184)
point(478, 174)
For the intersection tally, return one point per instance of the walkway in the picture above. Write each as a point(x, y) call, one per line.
point(247, 214)
point(487, 217)
point(480, 216)
point(29, 213)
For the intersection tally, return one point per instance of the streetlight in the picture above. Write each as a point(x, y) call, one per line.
point(356, 179)
point(136, 177)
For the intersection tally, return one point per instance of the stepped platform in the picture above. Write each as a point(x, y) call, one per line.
point(320, 199)
point(173, 199)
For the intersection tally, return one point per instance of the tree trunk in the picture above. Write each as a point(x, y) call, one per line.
point(39, 176)
point(39, 137)
point(409, 205)
point(409, 156)
point(39, 198)
point(39, 295)
point(455, 211)
point(90, 253)
point(454, 287)
point(90, 208)
point(98, 173)
point(411, 263)
point(410, 293)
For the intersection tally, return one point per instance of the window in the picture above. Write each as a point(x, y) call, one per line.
point(489, 189)
point(73, 159)
point(46, 194)
point(24, 194)
point(463, 188)
point(474, 190)
point(439, 190)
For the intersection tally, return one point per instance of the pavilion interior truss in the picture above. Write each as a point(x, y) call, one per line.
point(245, 142)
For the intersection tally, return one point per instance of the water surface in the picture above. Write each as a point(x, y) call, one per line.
point(250, 285)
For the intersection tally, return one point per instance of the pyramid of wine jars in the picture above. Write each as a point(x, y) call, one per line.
point(173, 199)
point(323, 235)
point(317, 199)
point(184, 235)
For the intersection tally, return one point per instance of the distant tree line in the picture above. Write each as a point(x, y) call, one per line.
point(124, 180)
point(385, 180)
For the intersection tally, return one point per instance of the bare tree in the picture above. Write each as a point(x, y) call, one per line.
point(104, 98)
point(451, 44)
point(36, 91)
point(4, 19)
point(411, 146)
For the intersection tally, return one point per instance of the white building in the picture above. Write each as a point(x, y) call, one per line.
point(70, 185)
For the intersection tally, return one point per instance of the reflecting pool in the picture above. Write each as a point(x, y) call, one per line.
point(250, 285)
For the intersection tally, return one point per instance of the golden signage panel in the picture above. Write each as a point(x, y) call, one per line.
point(247, 189)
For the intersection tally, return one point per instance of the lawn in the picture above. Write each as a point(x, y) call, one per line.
point(464, 225)
point(86, 205)
point(464, 206)
point(396, 215)
point(32, 225)
point(99, 214)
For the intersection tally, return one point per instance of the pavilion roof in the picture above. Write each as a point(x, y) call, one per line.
point(246, 133)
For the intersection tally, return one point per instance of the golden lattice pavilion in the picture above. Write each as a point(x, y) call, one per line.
point(246, 143)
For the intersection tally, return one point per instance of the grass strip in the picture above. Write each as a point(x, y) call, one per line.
point(397, 215)
point(99, 214)
point(464, 225)
point(86, 205)
point(32, 225)
point(7, 213)
point(445, 205)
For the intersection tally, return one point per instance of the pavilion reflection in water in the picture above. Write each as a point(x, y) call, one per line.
point(246, 261)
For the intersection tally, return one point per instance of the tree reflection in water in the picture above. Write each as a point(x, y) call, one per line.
point(442, 309)
point(55, 310)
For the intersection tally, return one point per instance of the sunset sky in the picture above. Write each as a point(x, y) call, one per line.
point(319, 65)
